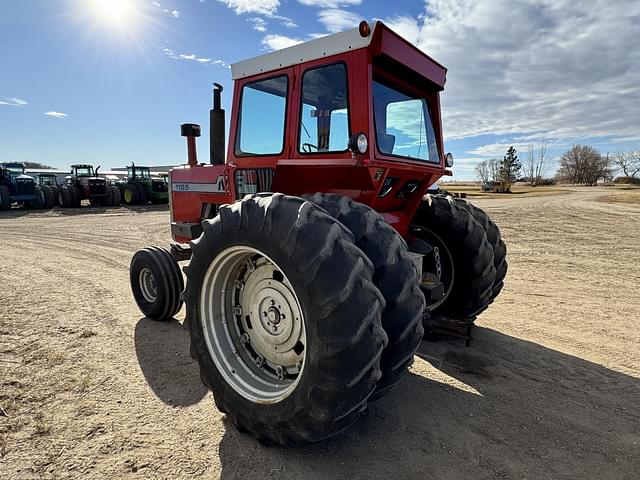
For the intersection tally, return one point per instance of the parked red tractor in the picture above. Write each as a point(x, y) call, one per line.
point(316, 258)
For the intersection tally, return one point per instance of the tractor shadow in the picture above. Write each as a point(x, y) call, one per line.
point(503, 407)
point(162, 349)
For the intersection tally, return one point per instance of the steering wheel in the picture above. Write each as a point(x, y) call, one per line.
point(306, 147)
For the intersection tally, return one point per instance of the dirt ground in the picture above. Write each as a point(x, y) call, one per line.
point(548, 389)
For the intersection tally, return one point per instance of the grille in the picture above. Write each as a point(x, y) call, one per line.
point(159, 186)
point(98, 187)
point(253, 180)
point(25, 187)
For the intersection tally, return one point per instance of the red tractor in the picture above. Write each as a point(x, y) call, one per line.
point(316, 257)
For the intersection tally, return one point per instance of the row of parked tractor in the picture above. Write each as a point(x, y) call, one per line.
point(83, 183)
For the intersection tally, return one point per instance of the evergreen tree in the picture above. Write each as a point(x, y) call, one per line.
point(510, 166)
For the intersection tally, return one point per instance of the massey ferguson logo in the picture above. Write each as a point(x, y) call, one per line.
point(217, 187)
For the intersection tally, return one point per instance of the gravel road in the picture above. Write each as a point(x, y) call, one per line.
point(549, 388)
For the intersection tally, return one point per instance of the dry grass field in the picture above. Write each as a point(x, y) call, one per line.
point(548, 389)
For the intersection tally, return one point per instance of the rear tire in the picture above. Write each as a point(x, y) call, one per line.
point(115, 196)
point(75, 196)
point(323, 276)
point(131, 195)
point(65, 197)
point(156, 283)
point(49, 198)
point(142, 195)
point(462, 241)
point(5, 198)
point(495, 239)
point(395, 276)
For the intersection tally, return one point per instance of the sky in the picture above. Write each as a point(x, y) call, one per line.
point(109, 81)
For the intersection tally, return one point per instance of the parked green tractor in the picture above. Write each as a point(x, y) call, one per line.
point(141, 188)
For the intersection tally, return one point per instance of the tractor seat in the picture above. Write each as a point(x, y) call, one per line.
point(386, 142)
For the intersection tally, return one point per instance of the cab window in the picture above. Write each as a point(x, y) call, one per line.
point(403, 124)
point(261, 120)
point(324, 117)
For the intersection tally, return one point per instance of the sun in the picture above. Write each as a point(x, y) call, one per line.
point(118, 11)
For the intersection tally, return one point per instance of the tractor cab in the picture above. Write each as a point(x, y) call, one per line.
point(49, 179)
point(14, 168)
point(139, 173)
point(356, 113)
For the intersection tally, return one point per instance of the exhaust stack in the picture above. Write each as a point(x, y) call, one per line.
point(216, 129)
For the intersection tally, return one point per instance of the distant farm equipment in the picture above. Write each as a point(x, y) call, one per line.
point(497, 187)
point(84, 183)
point(141, 187)
point(17, 187)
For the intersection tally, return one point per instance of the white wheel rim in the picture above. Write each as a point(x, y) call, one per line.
point(148, 285)
point(253, 325)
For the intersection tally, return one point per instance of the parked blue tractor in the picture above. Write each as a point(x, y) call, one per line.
point(17, 187)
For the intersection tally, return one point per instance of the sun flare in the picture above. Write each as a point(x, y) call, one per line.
point(119, 11)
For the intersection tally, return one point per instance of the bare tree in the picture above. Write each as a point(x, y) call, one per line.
point(536, 163)
point(482, 170)
point(584, 165)
point(494, 169)
point(628, 163)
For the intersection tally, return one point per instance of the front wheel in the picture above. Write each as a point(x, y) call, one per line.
point(284, 319)
point(156, 283)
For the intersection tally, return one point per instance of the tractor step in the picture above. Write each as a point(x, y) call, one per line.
point(180, 253)
point(440, 327)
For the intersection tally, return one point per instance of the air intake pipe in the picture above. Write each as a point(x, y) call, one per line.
point(216, 128)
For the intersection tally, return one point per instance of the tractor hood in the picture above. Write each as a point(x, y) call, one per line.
point(25, 178)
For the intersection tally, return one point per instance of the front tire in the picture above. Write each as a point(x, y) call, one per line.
point(303, 261)
point(5, 198)
point(395, 276)
point(49, 197)
point(156, 283)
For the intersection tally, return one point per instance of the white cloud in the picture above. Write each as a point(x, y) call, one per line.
point(337, 20)
point(258, 24)
point(156, 4)
point(568, 70)
point(13, 101)
point(329, 3)
point(172, 13)
point(56, 114)
point(286, 21)
point(277, 42)
point(264, 7)
point(192, 57)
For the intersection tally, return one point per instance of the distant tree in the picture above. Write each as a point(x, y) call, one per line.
point(37, 165)
point(584, 165)
point(628, 163)
point(494, 169)
point(510, 166)
point(482, 170)
point(536, 163)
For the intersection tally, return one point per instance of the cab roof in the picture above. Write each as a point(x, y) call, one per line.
point(382, 42)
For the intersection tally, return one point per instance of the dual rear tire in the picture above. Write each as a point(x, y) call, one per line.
point(471, 255)
point(300, 312)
